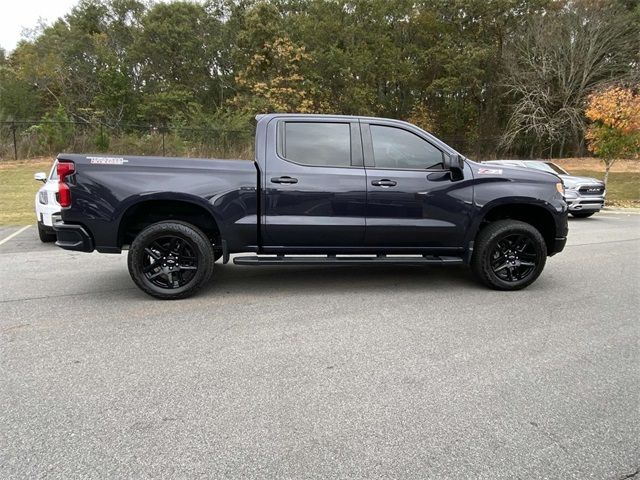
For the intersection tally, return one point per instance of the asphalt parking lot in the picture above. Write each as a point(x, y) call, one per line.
point(309, 372)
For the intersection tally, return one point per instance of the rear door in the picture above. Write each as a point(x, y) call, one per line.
point(412, 201)
point(315, 186)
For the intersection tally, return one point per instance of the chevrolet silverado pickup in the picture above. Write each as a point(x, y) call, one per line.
point(322, 190)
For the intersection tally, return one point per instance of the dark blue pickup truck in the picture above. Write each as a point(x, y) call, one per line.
point(323, 190)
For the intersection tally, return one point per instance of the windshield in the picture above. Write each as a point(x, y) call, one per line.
point(547, 167)
point(54, 171)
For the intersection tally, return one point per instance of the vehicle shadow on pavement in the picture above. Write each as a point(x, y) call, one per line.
point(265, 281)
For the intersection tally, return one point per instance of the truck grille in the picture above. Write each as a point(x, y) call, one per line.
point(591, 190)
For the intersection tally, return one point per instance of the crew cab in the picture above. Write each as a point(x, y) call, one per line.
point(322, 190)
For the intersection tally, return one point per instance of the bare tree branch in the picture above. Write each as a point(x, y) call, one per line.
point(557, 62)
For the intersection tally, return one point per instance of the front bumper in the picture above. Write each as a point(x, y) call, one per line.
point(577, 201)
point(46, 213)
point(558, 245)
point(73, 237)
point(590, 204)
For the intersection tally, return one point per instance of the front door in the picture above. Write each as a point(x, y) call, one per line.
point(315, 186)
point(412, 202)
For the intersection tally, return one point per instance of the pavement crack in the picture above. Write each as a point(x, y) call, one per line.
point(633, 474)
point(62, 295)
point(551, 436)
point(14, 327)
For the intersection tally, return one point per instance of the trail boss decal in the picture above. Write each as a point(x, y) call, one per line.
point(107, 160)
point(490, 171)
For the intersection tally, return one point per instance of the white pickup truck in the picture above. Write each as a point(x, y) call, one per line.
point(584, 195)
point(47, 203)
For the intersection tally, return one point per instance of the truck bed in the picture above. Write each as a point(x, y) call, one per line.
point(105, 187)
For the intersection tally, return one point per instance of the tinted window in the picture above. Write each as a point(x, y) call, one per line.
point(318, 143)
point(397, 148)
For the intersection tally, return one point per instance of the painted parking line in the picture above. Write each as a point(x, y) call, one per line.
point(14, 234)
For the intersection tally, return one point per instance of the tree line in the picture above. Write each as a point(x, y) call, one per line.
point(510, 76)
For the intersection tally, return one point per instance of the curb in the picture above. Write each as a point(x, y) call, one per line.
point(628, 211)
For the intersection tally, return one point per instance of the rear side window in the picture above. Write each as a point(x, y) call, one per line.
point(399, 149)
point(320, 144)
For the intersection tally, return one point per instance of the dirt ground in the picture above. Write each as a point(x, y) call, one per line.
point(595, 164)
point(42, 163)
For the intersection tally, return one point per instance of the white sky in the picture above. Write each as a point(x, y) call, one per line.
point(20, 14)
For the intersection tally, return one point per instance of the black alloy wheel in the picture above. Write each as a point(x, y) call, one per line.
point(170, 262)
point(171, 259)
point(514, 257)
point(508, 255)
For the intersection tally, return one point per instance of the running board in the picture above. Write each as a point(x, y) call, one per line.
point(256, 260)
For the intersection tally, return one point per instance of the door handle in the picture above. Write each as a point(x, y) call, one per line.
point(385, 182)
point(284, 179)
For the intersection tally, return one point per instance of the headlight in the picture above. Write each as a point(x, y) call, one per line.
point(42, 197)
point(560, 188)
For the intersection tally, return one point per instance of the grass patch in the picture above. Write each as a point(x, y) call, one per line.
point(18, 189)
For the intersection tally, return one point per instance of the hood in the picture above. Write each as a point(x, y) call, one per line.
point(514, 172)
point(572, 180)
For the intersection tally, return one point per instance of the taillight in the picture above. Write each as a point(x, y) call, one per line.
point(64, 169)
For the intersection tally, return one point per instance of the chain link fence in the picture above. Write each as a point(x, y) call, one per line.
point(24, 140)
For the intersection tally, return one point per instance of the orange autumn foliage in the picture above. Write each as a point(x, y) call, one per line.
point(615, 131)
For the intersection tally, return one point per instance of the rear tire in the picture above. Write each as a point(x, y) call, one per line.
point(170, 260)
point(582, 214)
point(46, 235)
point(508, 255)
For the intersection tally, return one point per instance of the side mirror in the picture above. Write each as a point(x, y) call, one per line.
point(454, 163)
point(40, 177)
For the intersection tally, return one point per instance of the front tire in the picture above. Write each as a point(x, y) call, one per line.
point(170, 260)
point(508, 255)
point(582, 214)
point(46, 235)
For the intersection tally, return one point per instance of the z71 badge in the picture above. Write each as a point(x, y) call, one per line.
point(107, 160)
point(490, 171)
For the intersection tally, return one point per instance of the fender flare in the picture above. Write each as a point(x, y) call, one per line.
point(127, 204)
point(482, 212)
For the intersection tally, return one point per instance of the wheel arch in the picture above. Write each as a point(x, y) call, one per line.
point(536, 214)
point(145, 211)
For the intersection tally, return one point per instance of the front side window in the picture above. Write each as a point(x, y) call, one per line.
point(316, 143)
point(399, 149)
